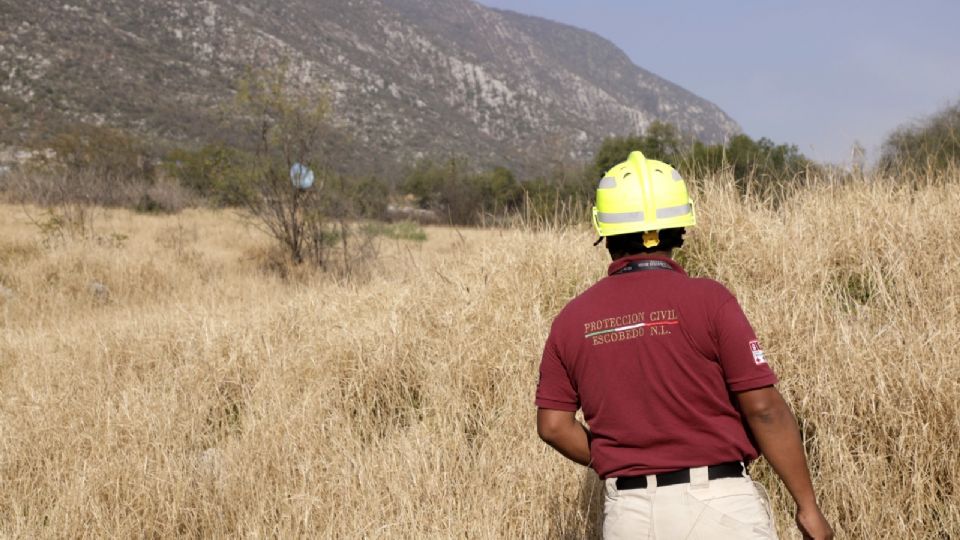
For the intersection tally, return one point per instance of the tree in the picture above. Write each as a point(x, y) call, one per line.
point(499, 190)
point(426, 181)
point(612, 150)
point(931, 144)
point(286, 125)
point(660, 141)
point(761, 163)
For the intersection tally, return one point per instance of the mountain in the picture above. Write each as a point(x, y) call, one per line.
point(407, 78)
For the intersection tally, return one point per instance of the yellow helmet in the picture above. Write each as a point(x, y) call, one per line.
point(642, 195)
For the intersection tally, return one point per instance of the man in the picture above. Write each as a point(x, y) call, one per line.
point(667, 371)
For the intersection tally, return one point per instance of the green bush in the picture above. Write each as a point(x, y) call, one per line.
point(499, 190)
point(369, 197)
point(216, 171)
point(104, 151)
point(462, 195)
point(426, 179)
point(761, 162)
point(558, 199)
point(928, 145)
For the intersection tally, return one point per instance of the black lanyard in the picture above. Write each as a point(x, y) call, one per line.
point(640, 266)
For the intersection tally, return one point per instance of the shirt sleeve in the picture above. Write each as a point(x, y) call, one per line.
point(741, 356)
point(554, 389)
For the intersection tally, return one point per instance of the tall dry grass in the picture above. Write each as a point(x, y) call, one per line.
point(170, 382)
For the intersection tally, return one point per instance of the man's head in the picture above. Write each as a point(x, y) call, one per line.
point(642, 206)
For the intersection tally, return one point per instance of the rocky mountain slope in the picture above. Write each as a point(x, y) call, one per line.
point(406, 77)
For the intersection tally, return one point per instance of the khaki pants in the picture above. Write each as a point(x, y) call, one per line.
point(703, 509)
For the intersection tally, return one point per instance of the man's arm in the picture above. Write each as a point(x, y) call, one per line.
point(561, 430)
point(775, 430)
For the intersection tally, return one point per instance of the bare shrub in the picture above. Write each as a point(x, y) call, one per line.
point(66, 201)
point(88, 166)
point(165, 196)
point(312, 223)
point(63, 204)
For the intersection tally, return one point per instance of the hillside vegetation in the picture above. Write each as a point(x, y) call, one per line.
point(160, 377)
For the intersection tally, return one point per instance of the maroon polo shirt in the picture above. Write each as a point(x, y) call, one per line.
point(652, 357)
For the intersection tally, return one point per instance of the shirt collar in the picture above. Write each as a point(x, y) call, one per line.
point(618, 264)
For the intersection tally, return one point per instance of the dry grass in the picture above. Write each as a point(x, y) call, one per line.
point(198, 393)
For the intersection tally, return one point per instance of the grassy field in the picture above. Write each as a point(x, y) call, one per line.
point(159, 377)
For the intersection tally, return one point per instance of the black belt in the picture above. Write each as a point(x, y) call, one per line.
point(732, 469)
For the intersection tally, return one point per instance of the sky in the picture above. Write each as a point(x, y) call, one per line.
point(822, 75)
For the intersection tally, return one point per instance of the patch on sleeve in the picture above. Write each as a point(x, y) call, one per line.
point(757, 351)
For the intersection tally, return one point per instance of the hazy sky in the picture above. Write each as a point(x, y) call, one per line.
point(819, 74)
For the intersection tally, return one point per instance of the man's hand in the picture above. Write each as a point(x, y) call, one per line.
point(561, 430)
point(813, 525)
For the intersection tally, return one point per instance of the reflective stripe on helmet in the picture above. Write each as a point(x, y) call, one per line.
point(673, 211)
point(608, 182)
point(620, 217)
